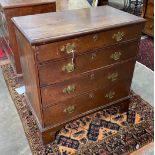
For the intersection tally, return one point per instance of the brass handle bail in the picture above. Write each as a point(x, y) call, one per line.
point(69, 89)
point(69, 109)
point(68, 68)
point(118, 36)
point(113, 76)
point(110, 95)
point(116, 56)
point(68, 48)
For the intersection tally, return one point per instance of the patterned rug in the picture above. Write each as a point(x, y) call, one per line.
point(146, 52)
point(2, 54)
point(106, 132)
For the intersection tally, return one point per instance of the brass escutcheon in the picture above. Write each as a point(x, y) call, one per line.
point(116, 56)
point(118, 36)
point(93, 56)
point(92, 76)
point(68, 48)
point(68, 68)
point(110, 95)
point(91, 95)
point(113, 76)
point(69, 109)
point(69, 89)
point(95, 37)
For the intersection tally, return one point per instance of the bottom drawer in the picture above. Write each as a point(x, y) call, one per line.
point(74, 107)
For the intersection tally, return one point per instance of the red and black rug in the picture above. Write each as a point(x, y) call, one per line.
point(2, 55)
point(106, 132)
point(146, 52)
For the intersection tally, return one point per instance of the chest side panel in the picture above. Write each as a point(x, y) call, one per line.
point(30, 75)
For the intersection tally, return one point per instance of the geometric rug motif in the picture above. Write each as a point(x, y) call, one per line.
point(106, 132)
point(146, 52)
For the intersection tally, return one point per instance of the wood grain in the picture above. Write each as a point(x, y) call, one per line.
point(43, 28)
point(87, 82)
point(7, 4)
point(84, 103)
point(51, 72)
point(10, 10)
point(86, 43)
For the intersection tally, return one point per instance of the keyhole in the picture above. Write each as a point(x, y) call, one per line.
point(95, 37)
point(92, 76)
point(93, 56)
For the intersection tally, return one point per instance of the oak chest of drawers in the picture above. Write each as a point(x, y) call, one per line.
point(76, 62)
point(13, 8)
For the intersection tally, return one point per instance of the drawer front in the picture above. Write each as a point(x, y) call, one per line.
point(149, 27)
point(61, 70)
point(81, 104)
point(83, 44)
point(89, 81)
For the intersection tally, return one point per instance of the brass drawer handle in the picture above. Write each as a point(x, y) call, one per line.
point(69, 109)
point(113, 76)
point(110, 95)
point(116, 56)
point(118, 36)
point(69, 89)
point(68, 48)
point(68, 68)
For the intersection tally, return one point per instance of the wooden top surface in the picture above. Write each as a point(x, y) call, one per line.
point(51, 27)
point(62, 5)
point(21, 3)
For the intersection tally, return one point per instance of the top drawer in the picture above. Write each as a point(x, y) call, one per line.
point(83, 44)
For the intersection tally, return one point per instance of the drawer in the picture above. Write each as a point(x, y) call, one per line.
point(72, 108)
point(83, 44)
point(56, 71)
point(86, 82)
point(149, 27)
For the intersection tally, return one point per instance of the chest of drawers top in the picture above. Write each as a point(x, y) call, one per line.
point(6, 4)
point(51, 27)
